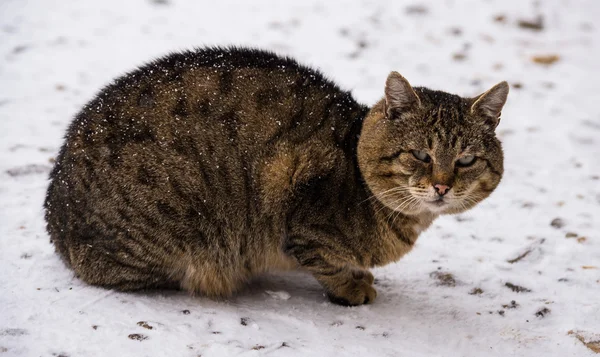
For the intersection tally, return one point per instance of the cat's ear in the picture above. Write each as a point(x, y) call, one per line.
point(399, 95)
point(490, 103)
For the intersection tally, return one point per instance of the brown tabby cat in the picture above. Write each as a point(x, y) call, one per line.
point(205, 168)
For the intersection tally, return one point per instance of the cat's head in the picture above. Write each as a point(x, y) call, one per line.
point(422, 150)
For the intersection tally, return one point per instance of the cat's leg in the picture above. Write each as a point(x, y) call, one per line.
point(333, 266)
point(351, 287)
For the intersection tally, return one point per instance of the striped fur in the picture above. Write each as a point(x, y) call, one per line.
point(205, 168)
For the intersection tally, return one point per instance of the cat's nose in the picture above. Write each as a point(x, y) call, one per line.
point(441, 189)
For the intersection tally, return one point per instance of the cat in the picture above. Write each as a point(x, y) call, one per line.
point(203, 169)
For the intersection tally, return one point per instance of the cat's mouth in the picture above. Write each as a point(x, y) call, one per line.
point(438, 202)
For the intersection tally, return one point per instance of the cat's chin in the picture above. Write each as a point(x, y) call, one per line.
point(442, 207)
point(446, 208)
point(436, 207)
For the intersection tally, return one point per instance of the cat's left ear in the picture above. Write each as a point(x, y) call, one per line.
point(490, 103)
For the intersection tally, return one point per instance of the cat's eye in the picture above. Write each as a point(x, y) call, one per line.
point(421, 155)
point(465, 161)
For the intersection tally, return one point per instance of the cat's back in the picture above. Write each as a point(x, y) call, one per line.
point(241, 95)
point(219, 107)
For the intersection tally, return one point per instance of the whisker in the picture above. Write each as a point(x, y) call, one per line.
point(407, 199)
point(407, 203)
point(386, 193)
point(410, 203)
point(471, 199)
point(392, 204)
point(385, 206)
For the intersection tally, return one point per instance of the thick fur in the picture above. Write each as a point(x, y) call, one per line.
point(205, 168)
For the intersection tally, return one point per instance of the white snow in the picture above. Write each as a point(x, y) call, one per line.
point(280, 295)
point(54, 55)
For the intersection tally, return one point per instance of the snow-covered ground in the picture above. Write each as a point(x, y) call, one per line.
point(519, 275)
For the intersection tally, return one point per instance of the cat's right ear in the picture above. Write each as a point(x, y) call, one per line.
point(399, 95)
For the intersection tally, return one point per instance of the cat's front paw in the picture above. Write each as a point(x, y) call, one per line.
point(363, 275)
point(354, 292)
